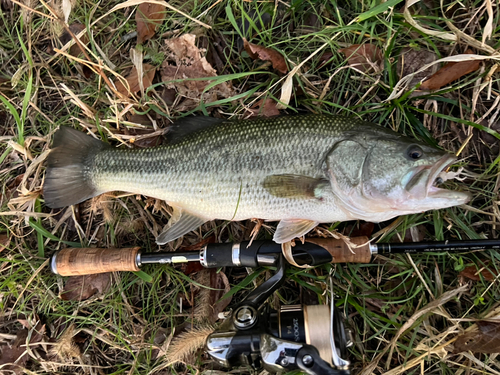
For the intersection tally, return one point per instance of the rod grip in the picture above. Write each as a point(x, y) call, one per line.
point(88, 261)
point(340, 251)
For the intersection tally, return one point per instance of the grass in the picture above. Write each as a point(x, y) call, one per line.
point(127, 328)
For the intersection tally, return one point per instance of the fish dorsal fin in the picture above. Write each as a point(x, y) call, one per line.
point(287, 229)
point(295, 186)
point(187, 125)
point(182, 223)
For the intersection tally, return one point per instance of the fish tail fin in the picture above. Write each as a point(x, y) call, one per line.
point(67, 178)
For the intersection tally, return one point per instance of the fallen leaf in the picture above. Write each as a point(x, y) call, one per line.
point(133, 80)
point(473, 273)
point(449, 73)
point(484, 340)
point(208, 304)
point(4, 241)
point(199, 245)
point(13, 356)
point(266, 54)
point(264, 107)
point(75, 50)
point(144, 137)
point(65, 37)
point(360, 228)
point(366, 58)
point(324, 58)
point(184, 62)
point(80, 288)
point(168, 96)
point(410, 61)
point(148, 17)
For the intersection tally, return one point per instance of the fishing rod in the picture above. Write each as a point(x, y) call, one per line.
point(313, 252)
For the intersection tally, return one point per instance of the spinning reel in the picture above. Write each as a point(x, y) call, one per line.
point(310, 338)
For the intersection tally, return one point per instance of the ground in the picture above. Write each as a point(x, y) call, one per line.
point(407, 313)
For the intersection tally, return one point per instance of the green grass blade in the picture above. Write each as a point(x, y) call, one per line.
point(377, 10)
point(49, 235)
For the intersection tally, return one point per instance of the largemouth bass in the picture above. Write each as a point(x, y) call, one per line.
point(299, 170)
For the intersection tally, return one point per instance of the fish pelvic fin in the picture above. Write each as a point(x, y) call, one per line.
point(287, 230)
point(184, 223)
point(67, 177)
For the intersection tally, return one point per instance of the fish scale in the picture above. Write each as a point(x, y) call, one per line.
point(302, 170)
point(202, 179)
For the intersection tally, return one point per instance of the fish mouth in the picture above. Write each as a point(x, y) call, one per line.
point(423, 180)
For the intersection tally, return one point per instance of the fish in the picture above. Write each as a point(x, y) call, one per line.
point(299, 170)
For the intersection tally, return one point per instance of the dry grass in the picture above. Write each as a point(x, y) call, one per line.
point(405, 312)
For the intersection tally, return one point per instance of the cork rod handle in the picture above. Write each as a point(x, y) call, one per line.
point(88, 261)
point(340, 251)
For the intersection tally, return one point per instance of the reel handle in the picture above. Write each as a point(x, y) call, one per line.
point(88, 261)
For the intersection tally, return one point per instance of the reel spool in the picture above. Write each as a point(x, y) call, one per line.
point(313, 325)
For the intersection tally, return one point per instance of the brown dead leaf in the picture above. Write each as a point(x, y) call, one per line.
point(4, 241)
point(65, 37)
point(360, 228)
point(484, 340)
point(184, 62)
point(410, 61)
point(449, 73)
point(75, 50)
point(13, 356)
point(80, 288)
point(133, 80)
point(365, 57)
point(264, 107)
point(266, 54)
point(473, 273)
point(148, 17)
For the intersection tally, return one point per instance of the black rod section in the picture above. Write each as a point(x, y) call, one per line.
point(168, 258)
point(426, 247)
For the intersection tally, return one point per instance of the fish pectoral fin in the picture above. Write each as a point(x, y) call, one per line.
point(287, 230)
point(294, 186)
point(185, 223)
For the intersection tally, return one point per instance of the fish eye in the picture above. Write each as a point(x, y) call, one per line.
point(414, 152)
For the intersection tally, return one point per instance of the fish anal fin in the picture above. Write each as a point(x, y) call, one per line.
point(295, 186)
point(182, 222)
point(288, 229)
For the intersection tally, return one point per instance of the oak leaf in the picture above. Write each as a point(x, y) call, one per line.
point(449, 73)
point(184, 63)
point(133, 80)
point(366, 58)
point(264, 107)
point(266, 54)
point(473, 273)
point(148, 17)
point(486, 339)
point(80, 288)
point(13, 356)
